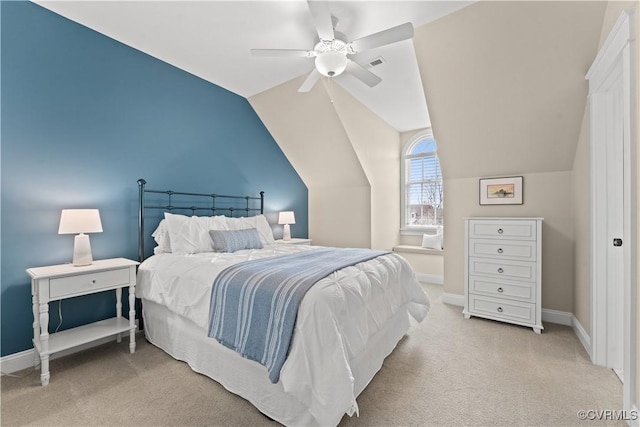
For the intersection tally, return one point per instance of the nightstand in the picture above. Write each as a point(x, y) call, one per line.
point(294, 241)
point(57, 282)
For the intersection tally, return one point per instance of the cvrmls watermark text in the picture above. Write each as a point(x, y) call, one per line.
point(607, 415)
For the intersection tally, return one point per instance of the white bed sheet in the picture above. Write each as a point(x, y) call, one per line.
point(343, 320)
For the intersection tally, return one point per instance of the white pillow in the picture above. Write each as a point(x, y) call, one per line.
point(259, 222)
point(161, 236)
point(190, 235)
point(264, 229)
point(432, 241)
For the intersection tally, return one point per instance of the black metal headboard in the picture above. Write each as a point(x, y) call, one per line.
point(210, 203)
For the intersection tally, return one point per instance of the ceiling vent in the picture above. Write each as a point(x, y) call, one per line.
point(377, 61)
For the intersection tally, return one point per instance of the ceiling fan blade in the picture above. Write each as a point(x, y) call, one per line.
point(362, 74)
point(310, 81)
point(322, 19)
point(296, 53)
point(384, 37)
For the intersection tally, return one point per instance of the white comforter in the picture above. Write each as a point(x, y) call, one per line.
point(335, 319)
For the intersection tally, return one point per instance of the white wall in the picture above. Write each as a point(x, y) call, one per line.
point(309, 132)
point(581, 209)
point(346, 155)
point(506, 92)
point(375, 143)
point(546, 195)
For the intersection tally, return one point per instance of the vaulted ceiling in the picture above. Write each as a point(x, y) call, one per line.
point(505, 83)
point(504, 80)
point(212, 39)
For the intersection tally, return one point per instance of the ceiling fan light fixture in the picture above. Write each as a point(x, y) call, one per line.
point(331, 63)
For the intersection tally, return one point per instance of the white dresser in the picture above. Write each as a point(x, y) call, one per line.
point(503, 270)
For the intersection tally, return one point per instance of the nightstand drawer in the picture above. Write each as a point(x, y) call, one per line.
point(82, 284)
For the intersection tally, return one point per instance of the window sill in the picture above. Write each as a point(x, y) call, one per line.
point(418, 250)
point(419, 231)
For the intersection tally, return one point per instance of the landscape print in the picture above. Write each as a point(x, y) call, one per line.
point(500, 191)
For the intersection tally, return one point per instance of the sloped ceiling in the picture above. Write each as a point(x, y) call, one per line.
point(505, 84)
point(212, 39)
point(309, 132)
point(504, 80)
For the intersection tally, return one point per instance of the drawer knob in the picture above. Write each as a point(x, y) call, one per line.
point(499, 309)
point(500, 270)
point(500, 250)
point(500, 290)
point(500, 231)
point(93, 281)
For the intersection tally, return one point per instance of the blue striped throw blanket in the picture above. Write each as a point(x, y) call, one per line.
point(254, 303)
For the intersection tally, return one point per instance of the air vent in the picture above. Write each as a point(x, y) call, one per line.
point(377, 61)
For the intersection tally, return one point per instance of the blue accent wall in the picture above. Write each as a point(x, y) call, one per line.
point(82, 118)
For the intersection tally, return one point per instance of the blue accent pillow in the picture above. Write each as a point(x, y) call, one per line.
point(235, 240)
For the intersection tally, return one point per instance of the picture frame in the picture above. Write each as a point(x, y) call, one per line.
point(501, 191)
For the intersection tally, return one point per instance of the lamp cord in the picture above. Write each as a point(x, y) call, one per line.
point(59, 314)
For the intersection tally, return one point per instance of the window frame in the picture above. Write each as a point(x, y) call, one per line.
point(409, 146)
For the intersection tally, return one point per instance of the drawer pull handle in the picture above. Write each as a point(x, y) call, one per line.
point(500, 290)
point(93, 281)
point(500, 231)
point(500, 270)
point(500, 250)
point(499, 309)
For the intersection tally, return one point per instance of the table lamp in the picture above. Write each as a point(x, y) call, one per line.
point(286, 218)
point(80, 221)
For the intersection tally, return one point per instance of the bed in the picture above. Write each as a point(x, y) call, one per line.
point(345, 324)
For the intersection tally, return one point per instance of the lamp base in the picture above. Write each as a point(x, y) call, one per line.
point(286, 233)
point(82, 250)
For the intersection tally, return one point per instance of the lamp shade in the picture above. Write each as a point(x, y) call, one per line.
point(286, 217)
point(74, 221)
point(331, 63)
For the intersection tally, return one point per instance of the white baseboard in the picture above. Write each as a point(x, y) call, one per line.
point(430, 278)
point(17, 361)
point(453, 299)
point(582, 335)
point(26, 359)
point(557, 317)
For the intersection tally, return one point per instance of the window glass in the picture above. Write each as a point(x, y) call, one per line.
point(423, 190)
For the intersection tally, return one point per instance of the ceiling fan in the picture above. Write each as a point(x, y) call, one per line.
point(332, 50)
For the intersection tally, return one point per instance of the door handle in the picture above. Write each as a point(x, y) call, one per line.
point(617, 242)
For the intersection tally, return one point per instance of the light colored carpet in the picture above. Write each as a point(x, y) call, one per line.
point(448, 371)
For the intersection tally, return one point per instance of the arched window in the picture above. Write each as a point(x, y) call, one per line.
point(422, 201)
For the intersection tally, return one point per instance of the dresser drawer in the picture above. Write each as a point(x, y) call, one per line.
point(524, 250)
point(502, 309)
point(514, 229)
point(87, 283)
point(521, 291)
point(519, 270)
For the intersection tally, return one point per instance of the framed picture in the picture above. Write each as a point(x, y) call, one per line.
point(501, 191)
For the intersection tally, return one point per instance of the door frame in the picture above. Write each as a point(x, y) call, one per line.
point(618, 50)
